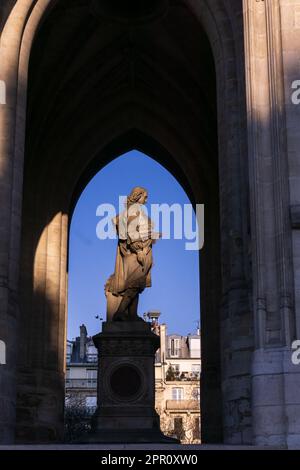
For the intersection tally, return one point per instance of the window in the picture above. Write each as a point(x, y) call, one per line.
point(178, 428)
point(177, 393)
point(196, 393)
point(69, 352)
point(175, 347)
point(92, 358)
point(91, 402)
point(196, 429)
point(91, 375)
point(196, 371)
point(92, 353)
point(176, 368)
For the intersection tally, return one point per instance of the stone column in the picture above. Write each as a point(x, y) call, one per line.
point(273, 290)
point(226, 321)
point(10, 199)
point(290, 28)
point(43, 322)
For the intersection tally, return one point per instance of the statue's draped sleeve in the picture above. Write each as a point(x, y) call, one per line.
point(117, 283)
point(129, 273)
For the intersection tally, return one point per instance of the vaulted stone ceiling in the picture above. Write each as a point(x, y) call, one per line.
point(89, 64)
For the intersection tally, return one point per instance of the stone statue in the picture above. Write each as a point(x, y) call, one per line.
point(133, 261)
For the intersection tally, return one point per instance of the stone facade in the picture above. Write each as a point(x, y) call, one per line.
point(177, 394)
point(211, 101)
point(177, 377)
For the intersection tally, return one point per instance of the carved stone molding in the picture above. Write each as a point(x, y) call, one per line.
point(132, 346)
point(269, 189)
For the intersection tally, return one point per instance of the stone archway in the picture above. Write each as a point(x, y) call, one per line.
point(136, 116)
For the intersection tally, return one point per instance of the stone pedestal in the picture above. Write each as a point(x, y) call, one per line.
point(126, 385)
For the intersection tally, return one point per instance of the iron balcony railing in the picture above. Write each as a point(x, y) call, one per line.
point(183, 405)
point(81, 383)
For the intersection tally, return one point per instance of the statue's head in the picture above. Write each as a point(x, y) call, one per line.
point(137, 195)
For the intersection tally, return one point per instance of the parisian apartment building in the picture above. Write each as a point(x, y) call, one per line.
point(177, 379)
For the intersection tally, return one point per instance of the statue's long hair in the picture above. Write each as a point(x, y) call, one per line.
point(135, 195)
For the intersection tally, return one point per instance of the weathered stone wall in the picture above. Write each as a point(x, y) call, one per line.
point(275, 380)
point(10, 225)
point(290, 27)
point(234, 325)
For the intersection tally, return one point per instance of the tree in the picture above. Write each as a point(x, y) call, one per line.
point(170, 374)
point(77, 417)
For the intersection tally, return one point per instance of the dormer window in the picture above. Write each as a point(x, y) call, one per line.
point(175, 347)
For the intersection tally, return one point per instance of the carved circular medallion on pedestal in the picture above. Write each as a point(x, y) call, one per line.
point(125, 382)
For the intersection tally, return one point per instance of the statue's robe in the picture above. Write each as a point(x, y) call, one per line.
point(129, 272)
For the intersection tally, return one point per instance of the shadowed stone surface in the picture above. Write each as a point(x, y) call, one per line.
point(126, 385)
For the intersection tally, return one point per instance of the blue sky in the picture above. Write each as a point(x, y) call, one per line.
point(175, 274)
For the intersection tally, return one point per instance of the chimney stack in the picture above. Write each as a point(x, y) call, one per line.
point(83, 337)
